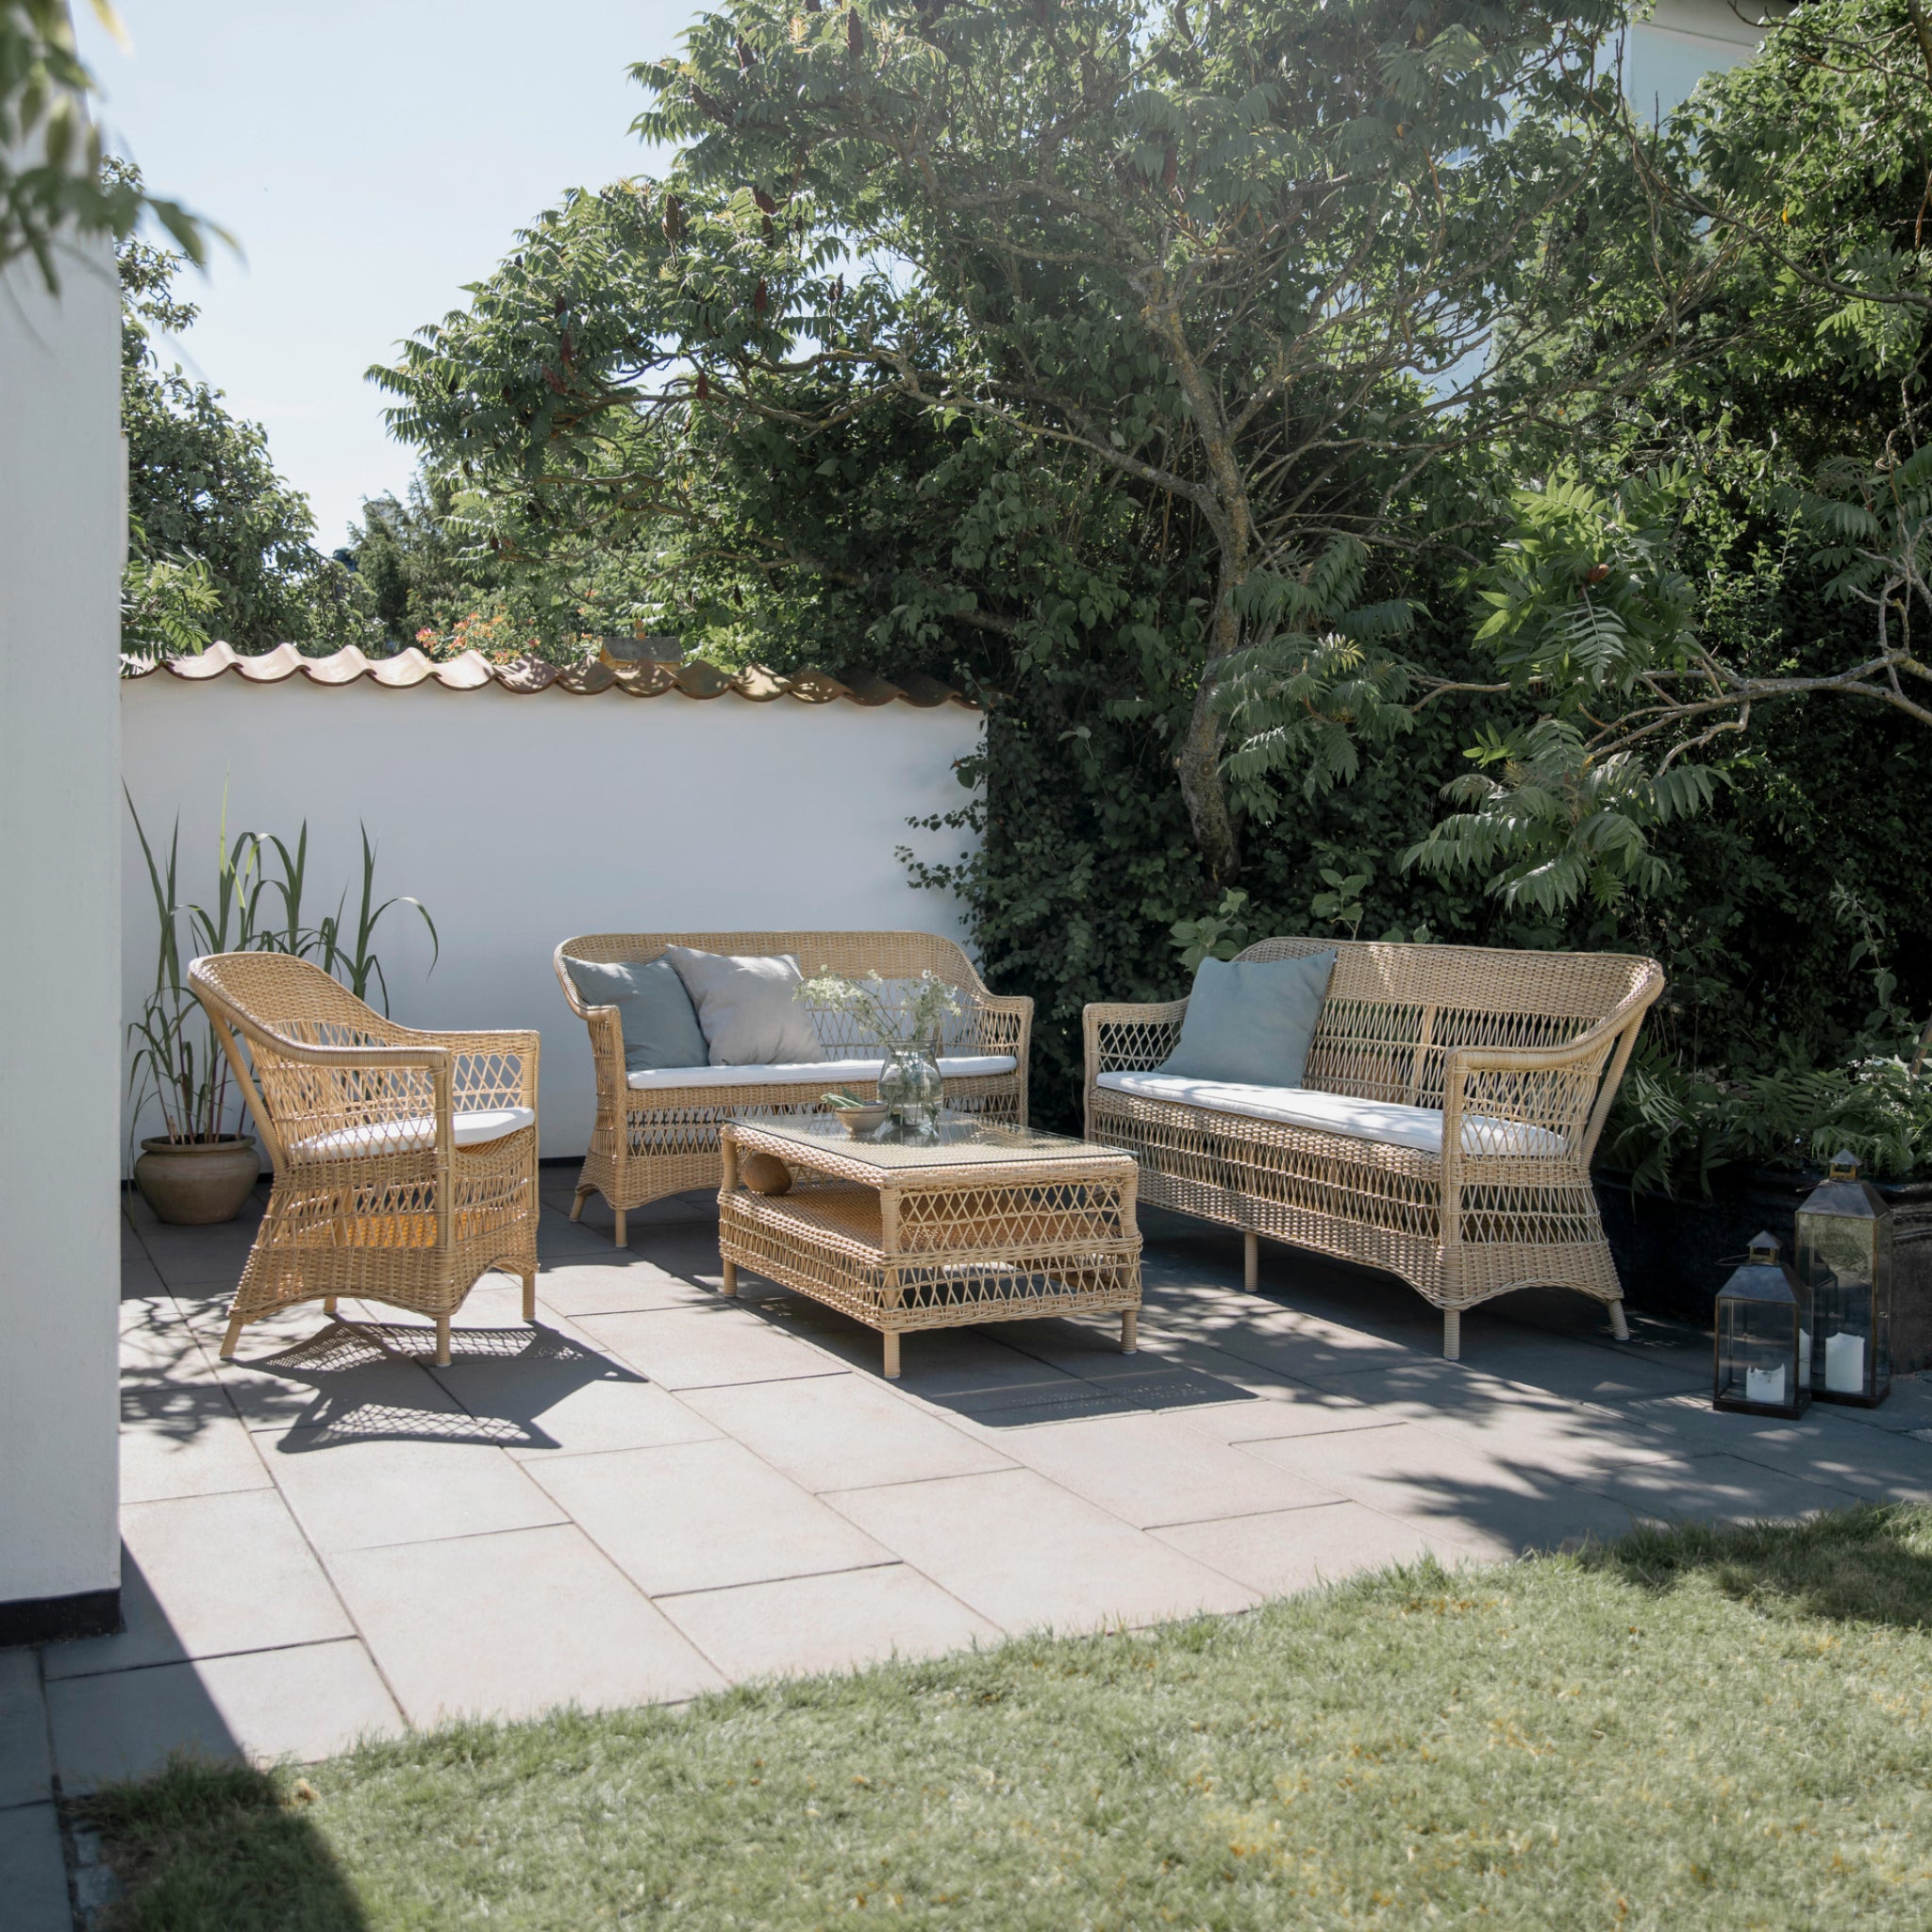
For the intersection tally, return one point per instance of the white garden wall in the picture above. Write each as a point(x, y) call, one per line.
point(522, 819)
point(62, 536)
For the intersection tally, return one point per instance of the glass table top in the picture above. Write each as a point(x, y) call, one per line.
point(958, 1141)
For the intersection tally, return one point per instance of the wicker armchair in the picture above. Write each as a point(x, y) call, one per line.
point(405, 1162)
point(1479, 1082)
point(660, 1138)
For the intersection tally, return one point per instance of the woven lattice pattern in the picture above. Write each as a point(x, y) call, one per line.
point(1495, 1041)
point(932, 1247)
point(662, 1141)
point(372, 1195)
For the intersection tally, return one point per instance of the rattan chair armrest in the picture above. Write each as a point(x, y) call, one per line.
point(1460, 1061)
point(1122, 1013)
point(429, 1054)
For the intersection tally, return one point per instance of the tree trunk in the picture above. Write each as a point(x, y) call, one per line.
point(1198, 762)
point(1198, 765)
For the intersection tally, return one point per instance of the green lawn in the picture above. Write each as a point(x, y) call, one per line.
point(1695, 1729)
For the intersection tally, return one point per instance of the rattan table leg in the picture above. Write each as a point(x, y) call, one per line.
point(892, 1354)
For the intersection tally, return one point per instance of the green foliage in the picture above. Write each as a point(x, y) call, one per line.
point(174, 1058)
point(220, 545)
point(1672, 1128)
point(1217, 935)
point(51, 181)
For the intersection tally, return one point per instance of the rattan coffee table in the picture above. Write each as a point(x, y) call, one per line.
point(986, 1222)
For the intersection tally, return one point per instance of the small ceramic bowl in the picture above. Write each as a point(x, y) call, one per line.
point(860, 1121)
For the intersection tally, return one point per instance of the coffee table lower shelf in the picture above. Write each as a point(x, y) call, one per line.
point(941, 1248)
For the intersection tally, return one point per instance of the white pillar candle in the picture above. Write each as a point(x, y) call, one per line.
point(1765, 1385)
point(1844, 1364)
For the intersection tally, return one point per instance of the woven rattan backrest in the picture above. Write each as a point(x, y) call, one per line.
point(1394, 1012)
point(891, 955)
point(265, 997)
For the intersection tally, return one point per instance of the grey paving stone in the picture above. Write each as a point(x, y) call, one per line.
point(1720, 1488)
point(702, 1516)
point(308, 1703)
point(206, 1575)
point(565, 1396)
point(841, 1432)
point(1456, 1488)
point(33, 1870)
point(832, 1623)
point(513, 1624)
point(614, 1282)
point(184, 1438)
point(1299, 1549)
point(707, 1346)
point(366, 1494)
point(1026, 1555)
point(26, 1769)
point(1148, 1470)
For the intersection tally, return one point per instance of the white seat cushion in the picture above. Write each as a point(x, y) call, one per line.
point(827, 1073)
point(1381, 1121)
point(413, 1135)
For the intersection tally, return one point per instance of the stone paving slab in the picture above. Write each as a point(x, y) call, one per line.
point(307, 1702)
point(33, 1870)
point(657, 1490)
point(703, 1516)
point(830, 1623)
point(1028, 1555)
point(26, 1770)
point(512, 1626)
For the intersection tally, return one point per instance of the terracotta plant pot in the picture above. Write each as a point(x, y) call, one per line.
point(193, 1183)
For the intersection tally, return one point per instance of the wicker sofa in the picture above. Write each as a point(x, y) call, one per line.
point(656, 1132)
point(1453, 1098)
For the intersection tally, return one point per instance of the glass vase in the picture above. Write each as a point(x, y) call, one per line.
point(911, 1085)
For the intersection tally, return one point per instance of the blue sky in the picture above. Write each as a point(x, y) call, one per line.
point(370, 159)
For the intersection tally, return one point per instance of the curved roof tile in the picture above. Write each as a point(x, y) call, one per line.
point(639, 678)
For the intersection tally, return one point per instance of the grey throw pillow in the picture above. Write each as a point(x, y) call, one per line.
point(660, 1025)
point(1251, 1021)
point(746, 1007)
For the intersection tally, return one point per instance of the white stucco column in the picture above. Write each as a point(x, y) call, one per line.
point(62, 537)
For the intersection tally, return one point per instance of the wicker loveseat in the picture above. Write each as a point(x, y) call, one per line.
point(656, 1132)
point(1453, 1098)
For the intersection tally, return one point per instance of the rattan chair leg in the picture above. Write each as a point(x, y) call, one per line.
point(1619, 1327)
point(576, 1206)
point(328, 1304)
point(442, 1342)
point(892, 1354)
point(530, 1295)
point(231, 1337)
point(727, 1283)
point(1451, 1335)
point(1130, 1330)
point(620, 1227)
point(1251, 1262)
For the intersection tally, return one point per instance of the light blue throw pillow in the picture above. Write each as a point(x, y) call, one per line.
point(1251, 1021)
point(660, 1025)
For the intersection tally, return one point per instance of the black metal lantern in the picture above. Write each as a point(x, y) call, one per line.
point(1763, 1338)
point(1844, 1256)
